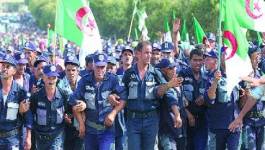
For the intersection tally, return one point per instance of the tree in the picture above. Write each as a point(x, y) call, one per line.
point(113, 16)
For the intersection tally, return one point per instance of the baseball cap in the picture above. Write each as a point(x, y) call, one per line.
point(21, 58)
point(167, 47)
point(100, 59)
point(50, 71)
point(166, 63)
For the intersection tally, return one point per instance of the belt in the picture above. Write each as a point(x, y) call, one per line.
point(47, 136)
point(95, 125)
point(9, 133)
point(136, 114)
point(255, 114)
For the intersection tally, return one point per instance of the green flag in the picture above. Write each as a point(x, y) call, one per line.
point(260, 41)
point(184, 32)
point(75, 22)
point(249, 14)
point(199, 33)
point(167, 33)
point(237, 60)
point(136, 37)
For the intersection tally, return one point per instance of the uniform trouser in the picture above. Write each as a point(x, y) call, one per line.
point(142, 132)
point(55, 142)
point(226, 139)
point(169, 143)
point(120, 130)
point(255, 137)
point(72, 141)
point(102, 141)
point(121, 142)
point(197, 138)
point(10, 143)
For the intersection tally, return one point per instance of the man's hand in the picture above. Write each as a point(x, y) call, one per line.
point(68, 118)
point(177, 121)
point(176, 26)
point(23, 106)
point(217, 75)
point(34, 89)
point(82, 129)
point(175, 82)
point(237, 123)
point(199, 101)
point(81, 106)
point(109, 120)
point(27, 144)
point(114, 99)
point(191, 120)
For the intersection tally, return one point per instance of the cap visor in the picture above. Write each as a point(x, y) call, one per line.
point(101, 64)
point(52, 74)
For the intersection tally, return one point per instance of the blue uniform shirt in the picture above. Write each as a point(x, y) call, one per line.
point(48, 115)
point(192, 89)
point(9, 115)
point(142, 94)
point(222, 110)
point(96, 99)
point(33, 81)
point(259, 107)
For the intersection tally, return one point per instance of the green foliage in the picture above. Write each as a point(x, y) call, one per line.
point(113, 16)
point(43, 11)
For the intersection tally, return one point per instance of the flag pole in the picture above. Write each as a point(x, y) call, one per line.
point(134, 12)
point(48, 34)
point(219, 34)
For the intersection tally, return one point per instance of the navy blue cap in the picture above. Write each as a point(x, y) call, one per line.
point(9, 59)
point(30, 46)
point(112, 60)
point(212, 54)
point(2, 55)
point(167, 47)
point(252, 49)
point(89, 58)
point(119, 48)
point(211, 36)
point(72, 60)
point(156, 46)
point(21, 58)
point(41, 58)
point(100, 59)
point(50, 71)
point(127, 48)
point(166, 63)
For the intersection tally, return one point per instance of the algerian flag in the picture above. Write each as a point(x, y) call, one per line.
point(199, 33)
point(75, 22)
point(237, 60)
point(184, 32)
point(167, 33)
point(260, 41)
point(250, 14)
point(136, 37)
point(142, 16)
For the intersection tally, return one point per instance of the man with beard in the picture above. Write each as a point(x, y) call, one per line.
point(193, 90)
